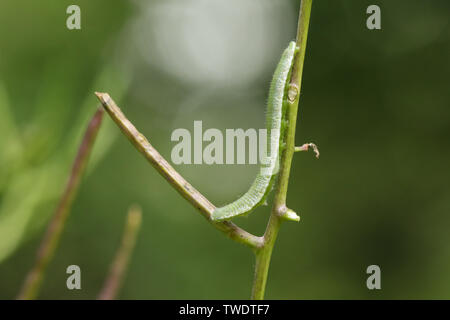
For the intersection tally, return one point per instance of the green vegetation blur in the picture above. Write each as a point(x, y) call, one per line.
point(376, 102)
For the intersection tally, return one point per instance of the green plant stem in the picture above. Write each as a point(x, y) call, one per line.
point(279, 209)
point(184, 188)
point(55, 227)
point(119, 266)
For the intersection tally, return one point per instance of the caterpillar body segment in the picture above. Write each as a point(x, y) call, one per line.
point(275, 125)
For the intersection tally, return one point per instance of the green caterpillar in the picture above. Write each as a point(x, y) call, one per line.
point(275, 125)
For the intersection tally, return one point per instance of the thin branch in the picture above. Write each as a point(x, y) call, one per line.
point(119, 266)
point(279, 208)
point(55, 227)
point(306, 146)
point(184, 188)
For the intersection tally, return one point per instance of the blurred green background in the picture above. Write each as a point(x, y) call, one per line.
point(376, 102)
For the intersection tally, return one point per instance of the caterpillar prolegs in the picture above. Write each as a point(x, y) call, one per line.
point(275, 125)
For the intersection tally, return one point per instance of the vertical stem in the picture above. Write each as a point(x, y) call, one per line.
point(264, 253)
point(48, 245)
point(119, 266)
point(263, 256)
